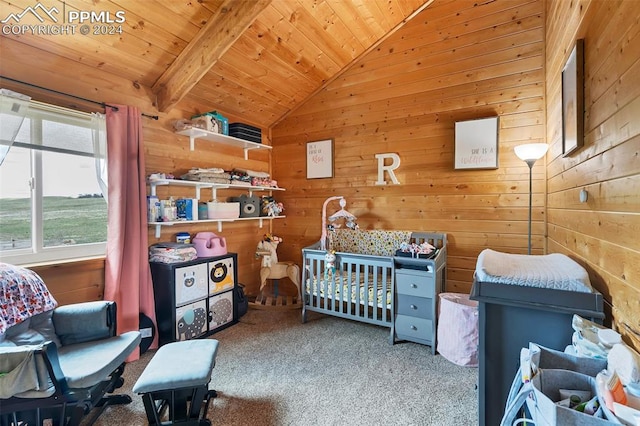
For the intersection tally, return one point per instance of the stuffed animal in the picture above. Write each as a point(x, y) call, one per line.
point(329, 264)
point(271, 207)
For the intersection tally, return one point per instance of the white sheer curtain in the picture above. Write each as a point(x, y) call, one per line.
point(13, 108)
point(99, 134)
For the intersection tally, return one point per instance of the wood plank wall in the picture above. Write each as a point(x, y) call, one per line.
point(457, 60)
point(601, 234)
point(73, 282)
point(164, 150)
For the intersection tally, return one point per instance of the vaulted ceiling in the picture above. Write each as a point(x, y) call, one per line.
point(257, 59)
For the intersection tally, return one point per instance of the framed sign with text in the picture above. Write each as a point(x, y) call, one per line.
point(320, 159)
point(476, 144)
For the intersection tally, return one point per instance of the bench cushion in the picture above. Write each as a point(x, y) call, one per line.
point(85, 364)
point(179, 365)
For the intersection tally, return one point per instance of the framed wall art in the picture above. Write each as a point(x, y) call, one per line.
point(320, 159)
point(573, 100)
point(476, 144)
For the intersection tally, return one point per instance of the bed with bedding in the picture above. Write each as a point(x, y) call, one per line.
point(354, 275)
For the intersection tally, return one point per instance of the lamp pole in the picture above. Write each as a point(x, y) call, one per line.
point(530, 153)
point(530, 163)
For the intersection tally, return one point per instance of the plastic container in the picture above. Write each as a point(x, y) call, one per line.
point(203, 211)
point(209, 244)
point(183, 238)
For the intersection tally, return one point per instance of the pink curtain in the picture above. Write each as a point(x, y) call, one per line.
point(128, 277)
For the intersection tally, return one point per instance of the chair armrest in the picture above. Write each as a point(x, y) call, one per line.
point(85, 322)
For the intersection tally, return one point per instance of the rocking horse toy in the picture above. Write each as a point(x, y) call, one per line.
point(271, 268)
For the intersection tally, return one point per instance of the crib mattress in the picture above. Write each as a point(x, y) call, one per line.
point(553, 271)
point(357, 290)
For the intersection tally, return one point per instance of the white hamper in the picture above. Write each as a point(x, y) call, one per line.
point(458, 329)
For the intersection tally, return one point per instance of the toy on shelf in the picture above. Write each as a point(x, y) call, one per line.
point(270, 207)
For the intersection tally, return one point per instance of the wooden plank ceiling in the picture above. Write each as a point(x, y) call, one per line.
point(254, 59)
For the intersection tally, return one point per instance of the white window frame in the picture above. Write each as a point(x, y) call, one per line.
point(37, 253)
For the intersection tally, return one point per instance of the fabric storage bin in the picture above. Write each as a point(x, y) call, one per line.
point(552, 370)
point(458, 329)
point(545, 393)
point(547, 358)
point(219, 210)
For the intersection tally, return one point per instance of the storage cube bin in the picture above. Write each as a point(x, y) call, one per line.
point(217, 210)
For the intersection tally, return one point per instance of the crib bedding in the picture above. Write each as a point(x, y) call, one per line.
point(354, 292)
point(552, 271)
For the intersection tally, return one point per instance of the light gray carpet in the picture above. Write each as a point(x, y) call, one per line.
point(273, 370)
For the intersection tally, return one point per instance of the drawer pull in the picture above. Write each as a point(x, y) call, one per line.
point(414, 307)
point(413, 285)
point(414, 328)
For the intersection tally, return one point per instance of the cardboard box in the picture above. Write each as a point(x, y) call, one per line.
point(187, 208)
point(213, 122)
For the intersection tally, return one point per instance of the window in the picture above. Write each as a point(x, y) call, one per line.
point(51, 204)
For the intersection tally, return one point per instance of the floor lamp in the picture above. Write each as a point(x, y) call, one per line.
point(530, 153)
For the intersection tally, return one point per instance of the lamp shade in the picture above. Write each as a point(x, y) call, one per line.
point(531, 151)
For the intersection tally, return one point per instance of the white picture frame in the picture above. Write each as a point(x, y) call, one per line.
point(320, 159)
point(476, 144)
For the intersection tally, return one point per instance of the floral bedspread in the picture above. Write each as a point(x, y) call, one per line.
point(22, 295)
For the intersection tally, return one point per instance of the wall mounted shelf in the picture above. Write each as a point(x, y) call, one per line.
point(198, 186)
point(194, 133)
point(153, 184)
point(260, 220)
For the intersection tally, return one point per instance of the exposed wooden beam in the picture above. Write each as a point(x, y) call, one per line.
point(211, 42)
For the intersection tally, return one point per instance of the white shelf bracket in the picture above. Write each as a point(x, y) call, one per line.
point(214, 194)
point(260, 223)
point(246, 151)
point(158, 231)
point(191, 142)
point(219, 226)
point(198, 192)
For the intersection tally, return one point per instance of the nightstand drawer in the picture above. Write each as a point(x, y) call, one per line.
point(414, 284)
point(414, 306)
point(413, 328)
